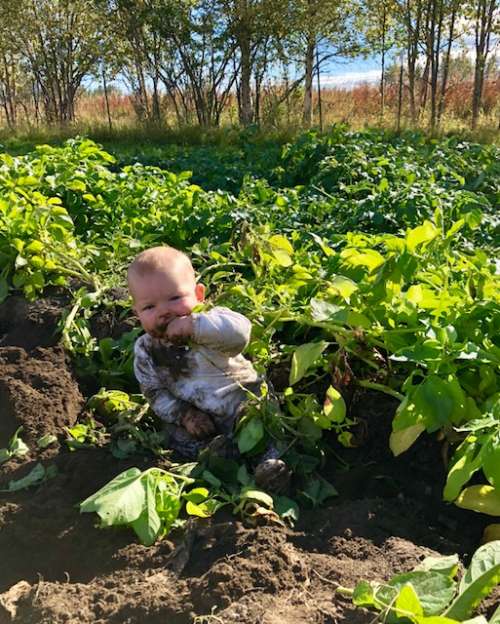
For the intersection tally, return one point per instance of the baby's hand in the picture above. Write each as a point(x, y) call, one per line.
point(179, 330)
point(197, 423)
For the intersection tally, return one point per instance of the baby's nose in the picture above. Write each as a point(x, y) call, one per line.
point(164, 315)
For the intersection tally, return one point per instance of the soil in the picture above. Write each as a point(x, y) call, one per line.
point(57, 567)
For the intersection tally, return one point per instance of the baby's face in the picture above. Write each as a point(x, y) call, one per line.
point(160, 296)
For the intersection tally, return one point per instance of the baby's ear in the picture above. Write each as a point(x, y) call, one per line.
point(199, 291)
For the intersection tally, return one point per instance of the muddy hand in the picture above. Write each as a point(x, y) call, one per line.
point(198, 424)
point(179, 330)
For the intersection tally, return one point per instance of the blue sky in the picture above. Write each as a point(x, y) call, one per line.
point(347, 72)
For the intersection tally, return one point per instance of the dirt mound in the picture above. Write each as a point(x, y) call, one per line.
point(57, 567)
point(72, 572)
point(30, 324)
point(37, 388)
point(37, 392)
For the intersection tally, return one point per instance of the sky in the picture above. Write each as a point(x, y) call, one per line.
point(351, 72)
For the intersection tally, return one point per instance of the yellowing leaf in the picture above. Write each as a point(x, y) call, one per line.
point(424, 233)
point(278, 241)
point(491, 533)
point(407, 602)
point(482, 498)
point(368, 258)
point(334, 406)
point(343, 286)
point(281, 249)
point(400, 441)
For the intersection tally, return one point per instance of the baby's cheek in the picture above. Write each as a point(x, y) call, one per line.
point(182, 309)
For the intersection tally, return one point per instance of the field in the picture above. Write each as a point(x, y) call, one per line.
point(366, 263)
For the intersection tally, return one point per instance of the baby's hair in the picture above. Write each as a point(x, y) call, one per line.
point(158, 259)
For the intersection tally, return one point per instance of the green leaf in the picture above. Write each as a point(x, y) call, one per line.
point(464, 467)
point(334, 407)
point(435, 619)
point(121, 501)
point(250, 435)
point(318, 490)
point(5, 455)
point(34, 477)
point(445, 565)
point(491, 460)
point(76, 185)
point(322, 310)
point(343, 286)
point(203, 509)
point(495, 618)
point(424, 233)
point(243, 476)
point(168, 506)
point(303, 358)
point(363, 595)
point(434, 590)
point(431, 405)
point(46, 440)
point(4, 288)
point(148, 525)
point(286, 508)
point(211, 479)
point(480, 578)
point(407, 603)
point(196, 495)
point(17, 448)
point(250, 493)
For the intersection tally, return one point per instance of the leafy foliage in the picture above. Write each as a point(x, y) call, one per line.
point(364, 260)
point(430, 593)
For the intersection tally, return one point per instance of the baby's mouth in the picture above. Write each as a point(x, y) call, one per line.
point(161, 328)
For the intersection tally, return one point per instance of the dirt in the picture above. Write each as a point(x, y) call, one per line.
point(57, 567)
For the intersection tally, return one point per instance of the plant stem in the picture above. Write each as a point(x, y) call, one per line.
point(372, 385)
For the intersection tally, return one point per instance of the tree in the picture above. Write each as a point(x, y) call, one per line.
point(309, 25)
point(381, 31)
point(10, 61)
point(486, 22)
point(60, 40)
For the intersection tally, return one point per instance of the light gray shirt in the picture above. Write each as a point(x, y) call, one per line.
point(210, 373)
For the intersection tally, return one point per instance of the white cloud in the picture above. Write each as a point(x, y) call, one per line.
point(348, 79)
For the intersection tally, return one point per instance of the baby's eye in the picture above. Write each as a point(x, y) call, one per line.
point(147, 307)
point(175, 298)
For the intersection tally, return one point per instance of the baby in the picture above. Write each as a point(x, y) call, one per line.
point(189, 364)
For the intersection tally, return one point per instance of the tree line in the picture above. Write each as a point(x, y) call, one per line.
point(199, 55)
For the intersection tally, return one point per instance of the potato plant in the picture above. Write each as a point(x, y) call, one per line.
point(363, 259)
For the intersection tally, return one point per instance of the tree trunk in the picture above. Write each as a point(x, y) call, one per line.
point(425, 85)
point(318, 81)
point(382, 76)
point(246, 112)
point(413, 38)
point(309, 63)
point(446, 64)
point(106, 98)
point(400, 93)
point(483, 28)
point(435, 50)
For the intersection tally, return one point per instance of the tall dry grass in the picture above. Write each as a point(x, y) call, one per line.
point(359, 106)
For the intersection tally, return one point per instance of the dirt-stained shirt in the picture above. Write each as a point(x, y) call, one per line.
point(209, 373)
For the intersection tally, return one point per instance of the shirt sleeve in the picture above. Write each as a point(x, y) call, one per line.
point(163, 403)
point(222, 329)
